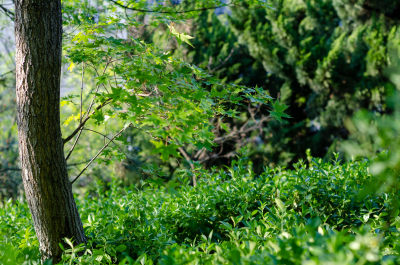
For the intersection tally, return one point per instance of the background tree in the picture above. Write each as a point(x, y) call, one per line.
point(329, 58)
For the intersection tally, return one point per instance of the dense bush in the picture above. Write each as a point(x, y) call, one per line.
point(325, 59)
point(330, 57)
point(311, 215)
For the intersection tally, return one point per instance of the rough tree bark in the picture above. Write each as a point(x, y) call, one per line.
point(38, 31)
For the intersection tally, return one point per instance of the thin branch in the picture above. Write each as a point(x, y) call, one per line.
point(77, 163)
point(99, 152)
point(74, 145)
point(243, 130)
point(88, 114)
point(189, 160)
point(106, 137)
point(186, 156)
point(97, 89)
point(221, 64)
point(6, 73)
point(169, 12)
point(7, 12)
point(200, 153)
point(237, 134)
point(80, 117)
point(83, 73)
point(85, 120)
point(9, 169)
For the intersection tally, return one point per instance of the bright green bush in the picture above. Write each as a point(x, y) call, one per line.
point(310, 215)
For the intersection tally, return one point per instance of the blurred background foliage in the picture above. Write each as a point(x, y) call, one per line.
point(326, 60)
point(10, 179)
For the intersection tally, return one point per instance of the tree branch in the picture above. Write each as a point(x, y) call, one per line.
point(99, 152)
point(83, 73)
point(77, 163)
point(169, 12)
point(243, 130)
point(189, 160)
point(80, 117)
point(9, 169)
point(221, 64)
point(74, 145)
point(8, 72)
point(7, 12)
point(85, 120)
point(105, 136)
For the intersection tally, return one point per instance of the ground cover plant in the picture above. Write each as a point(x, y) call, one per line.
point(313, 214)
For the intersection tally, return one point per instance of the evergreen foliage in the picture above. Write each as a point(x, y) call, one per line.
point(324, 59)
point(330, 56)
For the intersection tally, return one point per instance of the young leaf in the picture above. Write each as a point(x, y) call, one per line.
point(181, 37)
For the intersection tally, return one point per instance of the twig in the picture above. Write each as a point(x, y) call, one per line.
point(168, 12)
point(7, 12)
point(236, 134)
point(83, 73)
point(99, 152)
point(88, 114)
point(6, 73)
point(18, 169)
point(189, 160)
point(185, 11)
point(74, 145)
point(85, 120)
point(106, 137)
point(77, 163)
point(221, 64)
point(10, 169)
point(242, 130)
point(97, 89)
point(80, 117)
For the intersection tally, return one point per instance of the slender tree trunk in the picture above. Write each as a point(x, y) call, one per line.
point(38, 31)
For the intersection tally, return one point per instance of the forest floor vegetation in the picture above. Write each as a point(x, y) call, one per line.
point(314, 214)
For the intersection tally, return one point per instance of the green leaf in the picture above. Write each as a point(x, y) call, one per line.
point(181, 37)
point(278, 110)
point(280, 204)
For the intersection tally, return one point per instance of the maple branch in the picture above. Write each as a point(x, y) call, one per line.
point(74, 145)
point(99, 152)
point(105, 136)
point(80, 117)
point(85, 120)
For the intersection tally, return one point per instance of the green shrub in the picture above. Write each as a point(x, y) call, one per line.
point(310, 215)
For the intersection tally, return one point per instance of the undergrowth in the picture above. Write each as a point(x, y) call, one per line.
point(311, 215)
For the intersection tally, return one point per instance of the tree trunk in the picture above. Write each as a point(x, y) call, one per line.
point(38, 31)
